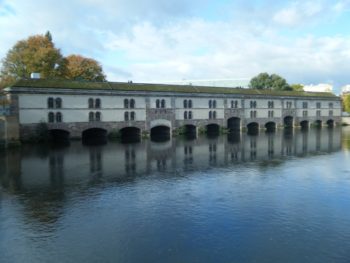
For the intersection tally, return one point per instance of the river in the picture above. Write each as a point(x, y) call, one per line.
point(281, 197)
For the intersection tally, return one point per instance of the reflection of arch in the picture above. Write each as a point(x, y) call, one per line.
point(270, 126)
point(234, 124)
point(160, 133)
point(304, 124)
point(330, 123)
point(288, 122)
point(94, 136)
point(129, 134)
point(253, 128)
point(160, 122)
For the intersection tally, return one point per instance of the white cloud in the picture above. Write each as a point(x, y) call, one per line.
point(163, 40)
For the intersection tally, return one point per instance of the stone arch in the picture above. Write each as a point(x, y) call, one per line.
point(94, 136)
point(160, 133)
point(288, 122)
point(318, 123)
point(330, 123)
point(190, 129)
point(253, 128)
point(270, 126)
point(213, 129)
point(234, 124)
point(130, 134)
point(59, 135)
point(304, 124)
point(160, 122)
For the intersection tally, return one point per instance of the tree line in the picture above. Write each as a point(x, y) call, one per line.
point(39, 54)
point(273, 82)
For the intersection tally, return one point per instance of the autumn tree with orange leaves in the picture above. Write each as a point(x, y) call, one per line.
point(39, 54)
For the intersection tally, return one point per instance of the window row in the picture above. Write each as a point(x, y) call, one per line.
point(253, 114)
point(188, 115)
point(253, 104)
point(160, 103)
point(129, 103)
point(212, 104)
point(212, 115)
point(129, 116)
point(234, 104)
point(94, 103)
point(54, 103)
point(187, 104)
point(54, 117)
point(94, 116)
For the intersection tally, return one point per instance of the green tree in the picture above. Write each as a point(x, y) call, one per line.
point(297, 87)
point(346, 102)
point(81, 68)
point(266, 81)
point(35, 54)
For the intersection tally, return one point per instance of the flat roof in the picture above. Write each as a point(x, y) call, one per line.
point(123, 86)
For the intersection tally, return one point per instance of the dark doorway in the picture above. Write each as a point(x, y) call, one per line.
point(304, 125)
point(318, 124)
point(330, 123)
point(288, 122)
point(213, 130)
point(59, 136)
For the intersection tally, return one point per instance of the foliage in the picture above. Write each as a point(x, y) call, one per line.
point(297, 87)
point(35, 54)
point(81, 68)
point(346, 102)
point(39, 54)
point(265, 81)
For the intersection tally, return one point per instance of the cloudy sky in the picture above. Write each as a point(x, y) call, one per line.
point(162, 40)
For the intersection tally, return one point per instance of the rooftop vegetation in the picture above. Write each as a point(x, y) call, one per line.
point(123, 86)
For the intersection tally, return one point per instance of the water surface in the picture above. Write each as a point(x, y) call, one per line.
point(282, 197)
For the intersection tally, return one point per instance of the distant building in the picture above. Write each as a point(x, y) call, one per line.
point(319, 88)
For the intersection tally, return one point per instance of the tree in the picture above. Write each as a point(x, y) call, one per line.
point(35, 54)
point(297, 87)
point(266, 81)
point(346, 102)
point(81, 68)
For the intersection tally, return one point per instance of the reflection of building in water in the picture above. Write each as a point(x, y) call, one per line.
point(75, 165)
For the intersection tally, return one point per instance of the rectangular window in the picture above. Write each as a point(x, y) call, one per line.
point(318, 113)
point(305, 113)
point(331, 113)
point(318, 105)
point(305, 105)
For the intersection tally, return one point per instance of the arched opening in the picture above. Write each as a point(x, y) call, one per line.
point(304, 125)
point(160, 133)
point(213, 129)
point(234, 124)
point(270, 126)
point(94, 136)
point(330, 123)
point(58, 136)
point(253, 128)
point(189, 131)
point(318, 124)
point(288, 122)
point(130, 134)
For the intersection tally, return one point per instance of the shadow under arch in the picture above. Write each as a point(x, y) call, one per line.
point(160, 133)
point(213, 130)
point(330, 123)
point(288, 122)
point(59, 136)
point(253, 128)
point(94, 136)
point(234, 124)
point(130, 134)
point(270, 127)
point(304, 125)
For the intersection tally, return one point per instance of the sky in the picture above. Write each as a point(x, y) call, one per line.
point(305, 42)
